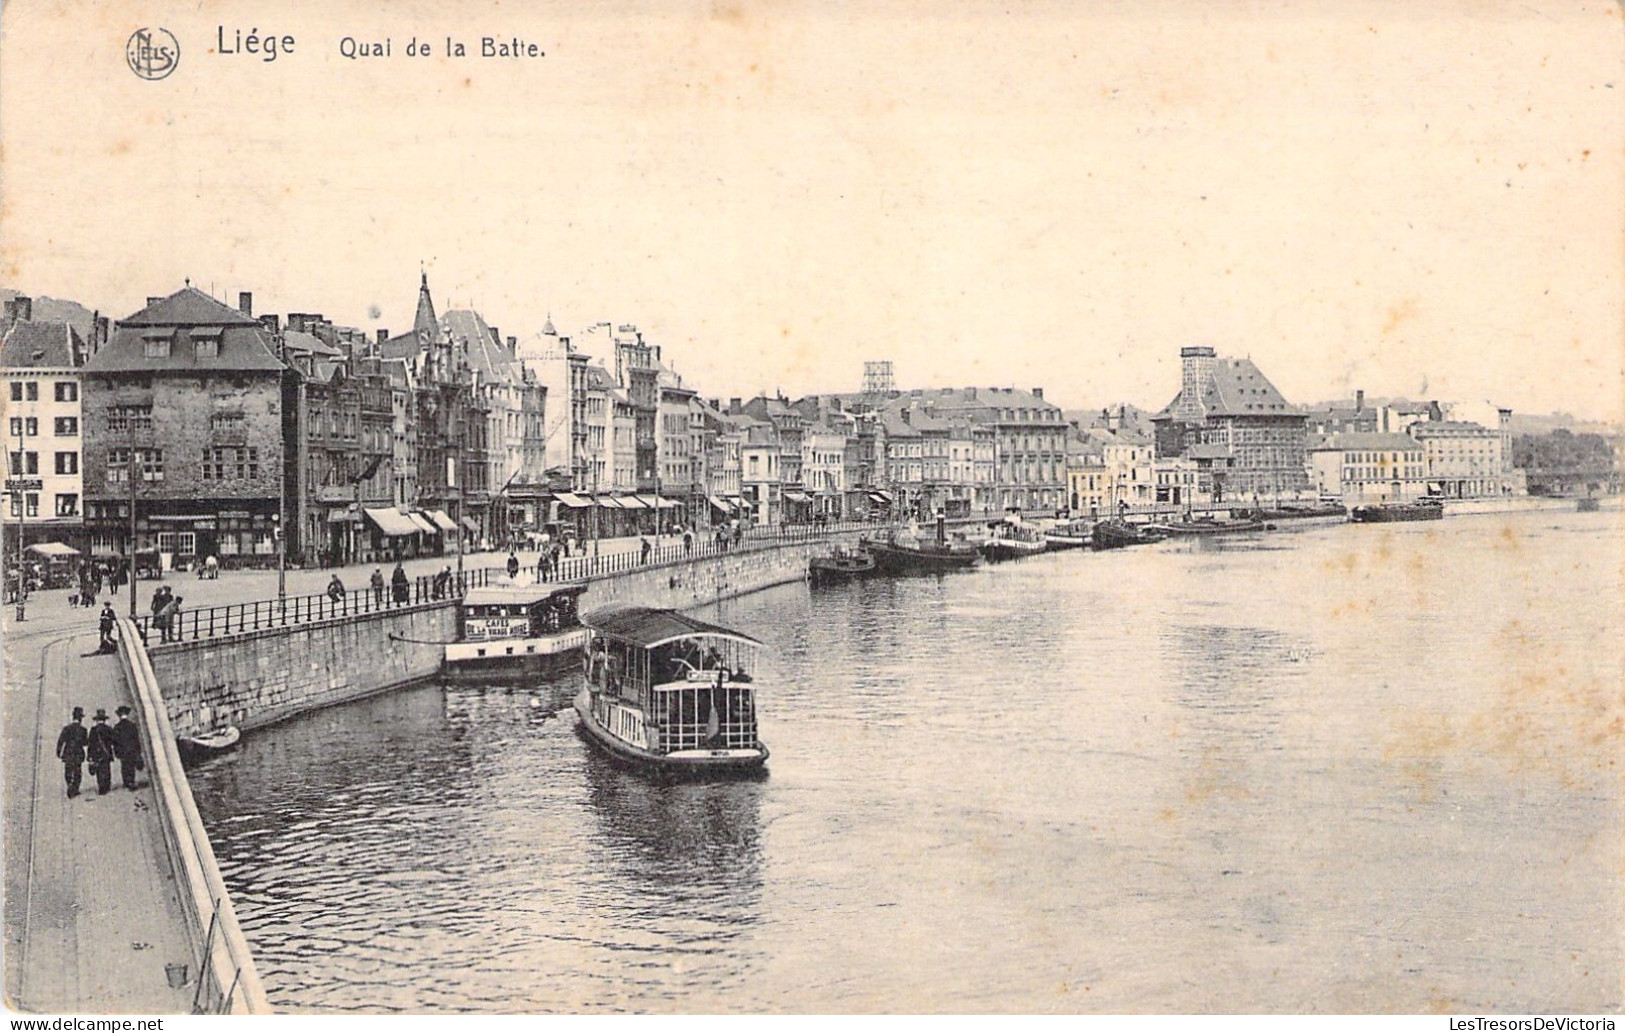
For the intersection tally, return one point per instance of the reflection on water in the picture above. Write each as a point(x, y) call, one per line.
point(1334, 769)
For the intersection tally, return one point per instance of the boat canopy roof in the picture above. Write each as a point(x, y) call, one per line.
point(519, 595)
point(647, 627)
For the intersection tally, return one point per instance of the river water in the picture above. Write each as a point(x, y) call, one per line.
point(1338, 768)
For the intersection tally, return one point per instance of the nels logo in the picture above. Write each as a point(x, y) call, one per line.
point(152, 53)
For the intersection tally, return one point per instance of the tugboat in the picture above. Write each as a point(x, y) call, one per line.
point(669, 693)
point(1011, 540)
point(1423, 509)
point(908, 554)
point(841, 565)
point(1075, 534)
point(1118, 534)
point(516, 631)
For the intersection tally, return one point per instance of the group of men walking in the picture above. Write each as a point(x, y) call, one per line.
point(100, 745)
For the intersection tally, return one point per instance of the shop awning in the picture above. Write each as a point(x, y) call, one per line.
point(53, 549)
point(390, 521)
point(722, 504)
point(573, 501)
point(632, 502)
point(666, 503)
point(791, 495)
point(648, 501)
point(469, 523)
point(343, 516)
point(421, 522)
point(880, 496)
point(607, 502)
point(441, 520)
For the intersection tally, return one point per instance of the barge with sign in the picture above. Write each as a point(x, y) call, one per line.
point(670, 693)
point(516, 631)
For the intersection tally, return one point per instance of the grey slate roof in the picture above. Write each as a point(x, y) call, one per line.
point(41, 343)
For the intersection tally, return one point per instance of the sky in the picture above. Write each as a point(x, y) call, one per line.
point(1418, 199)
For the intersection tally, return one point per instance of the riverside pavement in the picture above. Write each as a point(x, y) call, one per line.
point(92, 913)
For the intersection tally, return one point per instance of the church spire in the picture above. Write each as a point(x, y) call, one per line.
point(425, 325)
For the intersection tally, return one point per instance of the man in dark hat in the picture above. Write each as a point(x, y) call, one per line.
point(70, 749)
point(108, 620)
point(99, 749)
point(127, 747)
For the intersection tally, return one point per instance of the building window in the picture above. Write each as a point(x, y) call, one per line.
point(152, 464)
point(67, 463)
point(31, 390)
point(206, 347)
point(129, 417)
point(156, 347)
point(118, 464)
point(33, 504)
point(24, 463)
point(67, 505)
point(16, 396)
point(67, 390)
point(67, 426)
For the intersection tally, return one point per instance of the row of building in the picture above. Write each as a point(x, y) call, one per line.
point(1229, 437)
point(194, 427)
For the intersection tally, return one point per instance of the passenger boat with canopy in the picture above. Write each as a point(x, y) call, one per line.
point(516, 631)
point(669, 692)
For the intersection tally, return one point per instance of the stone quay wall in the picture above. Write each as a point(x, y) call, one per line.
point(258, 678)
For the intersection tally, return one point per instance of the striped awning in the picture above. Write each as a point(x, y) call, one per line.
point(441, 520)
point(722, 504)
point(391, 521)
point(421, 522)
point(573, 501)
point(632, 502)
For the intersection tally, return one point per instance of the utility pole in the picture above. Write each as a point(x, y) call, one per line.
point(20, 496)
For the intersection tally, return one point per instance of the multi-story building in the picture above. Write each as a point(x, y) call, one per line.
point(1461, 460)
point(188, 409)
point(1088, 480)
point(823, 469)
point(1229, 403)
point(789, 425)
point(43, 431)
point(678, 480)
point(905, 462)
point(1363, 467)
point(760, 478)
point(1029, 443)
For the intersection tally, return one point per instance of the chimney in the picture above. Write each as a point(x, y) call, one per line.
point(1114, 420)
point(496, 335)
point(102, 331)
point(383, 335)
point(20, 309)
point(513, 345)
point(245, 302)
point(907, 412)
point(1038, 393)
point(272, 322)
point(1359, 400)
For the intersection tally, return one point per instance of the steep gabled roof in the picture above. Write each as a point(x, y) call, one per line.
point(484, 355)
point(189, 307)
point(299, 341)
point(1236, 387)
point(41, 343)
point(242, 348)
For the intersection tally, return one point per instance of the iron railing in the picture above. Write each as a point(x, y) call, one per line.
point(265, 614)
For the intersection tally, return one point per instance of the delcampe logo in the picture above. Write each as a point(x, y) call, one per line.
point(152, 53)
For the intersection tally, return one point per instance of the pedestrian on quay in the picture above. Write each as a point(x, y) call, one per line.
point(170, 618)
point(127, 747)
point(70, 749)
point(688, 541)
point(99, 750)
point(160, 597)
point(335, 590)
point(513, 565)
point(105, 626)
point(378, 587)
point(541, 564)
point(402, 587)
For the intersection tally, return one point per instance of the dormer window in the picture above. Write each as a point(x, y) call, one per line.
point(156, 347)
point(207, 347)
